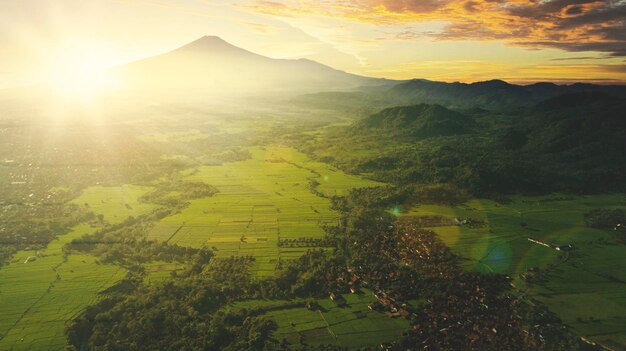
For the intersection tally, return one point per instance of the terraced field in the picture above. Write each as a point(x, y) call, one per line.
point(41, 290)
point(586, 287)
point(262, 200)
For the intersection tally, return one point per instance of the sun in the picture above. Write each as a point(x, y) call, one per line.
point(81, 73)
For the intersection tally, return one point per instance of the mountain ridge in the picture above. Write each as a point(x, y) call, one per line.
point(214, 64)
point(492, 94)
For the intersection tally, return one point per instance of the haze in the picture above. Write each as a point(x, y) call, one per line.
point(520, 41)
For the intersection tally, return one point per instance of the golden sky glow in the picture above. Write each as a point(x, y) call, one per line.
point(519, 41)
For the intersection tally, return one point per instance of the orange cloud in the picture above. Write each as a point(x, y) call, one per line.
point(571, 25)
point(472, 71)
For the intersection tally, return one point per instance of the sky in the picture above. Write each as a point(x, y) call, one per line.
point(520, 41)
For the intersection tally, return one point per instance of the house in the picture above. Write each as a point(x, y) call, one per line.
point(375, 306)
point(312, 305)
point(338, 299)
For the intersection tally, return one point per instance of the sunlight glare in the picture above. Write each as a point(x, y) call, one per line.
point(80, 73)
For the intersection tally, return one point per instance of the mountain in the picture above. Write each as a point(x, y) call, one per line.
point(212, 64)
point(490, 95)
point(493, 94)
point(571, 143)
point(588, 125)
point(422, 120)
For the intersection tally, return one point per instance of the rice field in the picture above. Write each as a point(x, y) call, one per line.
point(41, 290)
point(351, 326)
point(585, 288)
point(260, 201)
point(115, 203)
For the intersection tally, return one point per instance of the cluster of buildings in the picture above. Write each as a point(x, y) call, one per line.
point(388, 304)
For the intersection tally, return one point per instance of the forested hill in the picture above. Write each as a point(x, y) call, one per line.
point(420, 120)
point(491, 95)
point(582, 122)
point(570, 143)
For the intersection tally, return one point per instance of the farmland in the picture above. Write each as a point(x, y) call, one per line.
point(353, 325)
point(115, 204)
point(272, 203)
point(261, 201)
point(584, 287)
point(265, 199)
point(41, 290)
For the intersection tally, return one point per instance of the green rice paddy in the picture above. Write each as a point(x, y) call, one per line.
point(350, 326)
point(586, 288)
point(265, 198)
point(260, 201)
point(41, 290)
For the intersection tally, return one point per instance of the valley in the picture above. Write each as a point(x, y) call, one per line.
point(197, 209)
point(276, 185)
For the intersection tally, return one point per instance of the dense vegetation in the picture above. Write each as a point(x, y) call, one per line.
point(611, 219)
point(494, 95)
point(181, 314)
point(572, 143)
point(419, 121)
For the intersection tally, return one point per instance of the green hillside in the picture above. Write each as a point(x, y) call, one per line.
point(420, 120)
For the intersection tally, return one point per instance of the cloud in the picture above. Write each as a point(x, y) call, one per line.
point(577, 58)
point(574, 10)
point(571, 25)
point(475, 70)
point(259, 27)
point(416, 6)
point(614, 48)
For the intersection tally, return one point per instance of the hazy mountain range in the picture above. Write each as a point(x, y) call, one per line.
point(211, 63)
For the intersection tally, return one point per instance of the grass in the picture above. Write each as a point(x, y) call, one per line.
point(38, 297)
point(260, 201)
point(585, 288)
